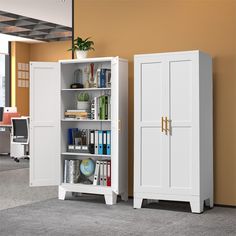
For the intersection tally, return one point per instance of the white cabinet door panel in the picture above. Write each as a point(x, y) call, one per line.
point(181, 159)
point(151, 93)
point(44, 123)
point(151, 158)
point(181, 90)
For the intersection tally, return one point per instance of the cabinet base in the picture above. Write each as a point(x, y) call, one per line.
point(110, 196)
point(196, 203)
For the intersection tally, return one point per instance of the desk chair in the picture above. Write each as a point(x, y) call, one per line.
point(20, 138)
point(4, 135)
point(1, 113)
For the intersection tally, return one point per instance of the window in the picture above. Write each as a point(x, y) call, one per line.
point(4, 80)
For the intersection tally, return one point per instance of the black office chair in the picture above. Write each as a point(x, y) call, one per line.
point(1, 113)
point(20, 136)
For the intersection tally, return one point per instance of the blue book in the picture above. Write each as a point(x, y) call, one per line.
point(108, 142)
point(70, 136)
point(103, 78)
point(100, 143)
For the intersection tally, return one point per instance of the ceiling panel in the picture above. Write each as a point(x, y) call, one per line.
point(22, 26)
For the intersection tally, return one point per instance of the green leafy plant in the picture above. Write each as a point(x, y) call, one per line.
point(83, 97)
point(82, 45)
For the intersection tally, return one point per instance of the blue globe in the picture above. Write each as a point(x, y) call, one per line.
point(87, 167)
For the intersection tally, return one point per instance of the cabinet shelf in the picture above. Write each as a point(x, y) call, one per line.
point(84, 154)
point(87, 188)
point(86, 89)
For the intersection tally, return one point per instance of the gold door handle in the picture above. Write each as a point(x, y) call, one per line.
point(166, 125)
point(162, 124)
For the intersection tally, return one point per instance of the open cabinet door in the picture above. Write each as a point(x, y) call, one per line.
point(44, 123)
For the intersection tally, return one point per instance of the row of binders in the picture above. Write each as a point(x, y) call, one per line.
point(100, 142)
point(102, 173)
point(101, 108)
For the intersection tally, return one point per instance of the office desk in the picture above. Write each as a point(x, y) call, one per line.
point(5, 138)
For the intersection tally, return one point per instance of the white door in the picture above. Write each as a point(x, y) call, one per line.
point(150, 142)
point(184, 121)
point(44, 123)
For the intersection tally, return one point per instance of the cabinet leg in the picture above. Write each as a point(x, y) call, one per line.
point(124, 196)
point(209, 202)
point(110, 199)
point(197, 206)
point(138, 202)
point(63, 194)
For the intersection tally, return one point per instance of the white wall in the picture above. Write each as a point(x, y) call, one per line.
point(3, 47)
point(55, 11)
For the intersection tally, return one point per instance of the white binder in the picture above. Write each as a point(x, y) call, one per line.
point(96, 173)
point(101, 172)
point(105, 173)
point(96, 141)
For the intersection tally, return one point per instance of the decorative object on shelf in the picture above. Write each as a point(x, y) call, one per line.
point(78, 79)
point(83, 102)
point(92, 82)
point(87, 168)
point(86, 76)
point(81, 47)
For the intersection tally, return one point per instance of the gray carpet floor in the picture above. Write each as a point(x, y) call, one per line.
point(15, 190)
point(7, 163)
point(27, 211)
point(90, 216)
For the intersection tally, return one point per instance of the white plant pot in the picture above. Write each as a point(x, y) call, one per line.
point(81, 54)
point(83, 105)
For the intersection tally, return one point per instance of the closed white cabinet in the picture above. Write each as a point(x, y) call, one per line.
point(173, 128)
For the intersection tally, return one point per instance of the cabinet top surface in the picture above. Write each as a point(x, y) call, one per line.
point(88, 60)
point(173, 53)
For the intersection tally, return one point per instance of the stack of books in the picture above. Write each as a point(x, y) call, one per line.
point(101, 108)
point(76, 114)
point(102, 173)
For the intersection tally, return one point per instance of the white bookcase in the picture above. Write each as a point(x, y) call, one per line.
point(50, 97)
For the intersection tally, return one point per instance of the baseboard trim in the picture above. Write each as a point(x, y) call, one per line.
point(222, 205)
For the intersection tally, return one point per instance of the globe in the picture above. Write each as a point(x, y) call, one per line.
point(87, 167)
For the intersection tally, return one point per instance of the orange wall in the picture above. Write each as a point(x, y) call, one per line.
point(53, 51)
point(130, 27)
point(20, 96)
point(24, 53)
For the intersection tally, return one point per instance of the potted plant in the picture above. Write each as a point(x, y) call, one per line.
point(83, 101)
point(81, 47)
